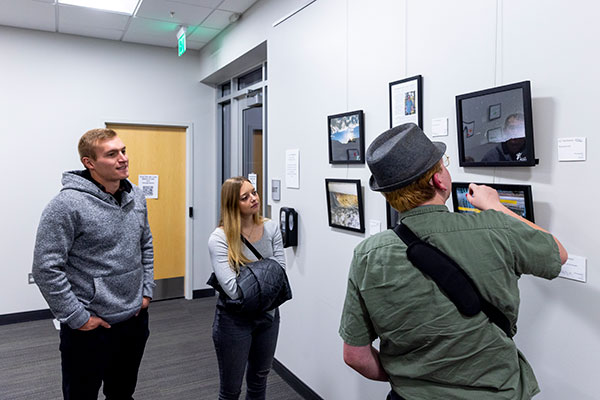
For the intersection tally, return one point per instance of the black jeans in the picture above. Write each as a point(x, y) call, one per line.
point(241, 341)
point(394, 396)
point(111, 356)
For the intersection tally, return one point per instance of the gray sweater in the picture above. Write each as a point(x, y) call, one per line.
point(93, 256)
point(270, 245)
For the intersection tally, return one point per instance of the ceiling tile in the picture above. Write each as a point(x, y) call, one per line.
point(202, 34)
point(27, 14)
point(236, 5)
point(200, 3)
point(194, 45)
point(73, 16)
point(217, 20)
point(147, 31)
point(91, 31)
point(184, 14)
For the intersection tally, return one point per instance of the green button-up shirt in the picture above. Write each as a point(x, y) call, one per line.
point(430, 350)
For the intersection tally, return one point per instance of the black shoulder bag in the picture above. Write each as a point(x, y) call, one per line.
point(450, 278)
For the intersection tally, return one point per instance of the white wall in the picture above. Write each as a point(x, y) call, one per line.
point(340, 55)
point(53, 88)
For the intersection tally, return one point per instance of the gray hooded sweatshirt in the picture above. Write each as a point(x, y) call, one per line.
point(93, 256)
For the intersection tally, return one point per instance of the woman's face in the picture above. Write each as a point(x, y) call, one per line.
point(249, 200)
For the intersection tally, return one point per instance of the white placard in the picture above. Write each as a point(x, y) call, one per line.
point(439, 127)
point(149, 185)
point(252, 179)
point(374, 227)
point(292, 162)
point(572, 149)
point(574, 268)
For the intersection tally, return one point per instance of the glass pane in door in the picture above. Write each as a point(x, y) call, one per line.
point(253, 146)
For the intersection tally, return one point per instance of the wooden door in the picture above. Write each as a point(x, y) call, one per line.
point(161, 151)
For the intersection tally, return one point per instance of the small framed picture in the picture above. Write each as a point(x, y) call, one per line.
point(495, 111)
point(391, 215)
point(495, 135)
point(346, 138)
point(406, 103)
point(345, 208)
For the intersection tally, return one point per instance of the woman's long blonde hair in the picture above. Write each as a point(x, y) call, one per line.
point(231, 221)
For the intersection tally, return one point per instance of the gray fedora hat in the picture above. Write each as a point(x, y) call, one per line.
point(399, 156)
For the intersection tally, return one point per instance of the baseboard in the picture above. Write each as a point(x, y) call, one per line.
point(26, 316)
point(200, 293)
point(302, 388)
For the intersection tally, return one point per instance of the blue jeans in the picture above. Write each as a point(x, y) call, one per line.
point(239, 342)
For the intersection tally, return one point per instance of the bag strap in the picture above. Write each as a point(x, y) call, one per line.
point(252, 249)
point(452, 279)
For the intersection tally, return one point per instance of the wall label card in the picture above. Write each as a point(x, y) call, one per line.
point(574, 268)
point(149, 185)
point(572, 149)
point(292, 162)
point(439, 127)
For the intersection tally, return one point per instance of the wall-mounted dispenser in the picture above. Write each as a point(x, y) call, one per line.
point(288, 224)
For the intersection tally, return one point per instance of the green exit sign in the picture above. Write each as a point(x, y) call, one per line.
point(181, 44)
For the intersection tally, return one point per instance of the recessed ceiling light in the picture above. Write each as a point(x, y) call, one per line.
point(117, 6)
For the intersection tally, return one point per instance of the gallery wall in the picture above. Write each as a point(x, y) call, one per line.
point(339, 55)
point(55, 87)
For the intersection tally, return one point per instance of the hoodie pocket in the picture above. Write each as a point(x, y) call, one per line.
point(116, 294)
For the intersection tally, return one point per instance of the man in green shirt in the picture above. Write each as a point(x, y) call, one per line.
point(428, 349)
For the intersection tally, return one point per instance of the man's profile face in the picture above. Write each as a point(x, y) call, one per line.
point(111, 163)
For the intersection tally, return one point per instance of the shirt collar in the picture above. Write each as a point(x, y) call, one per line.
point(422, 210)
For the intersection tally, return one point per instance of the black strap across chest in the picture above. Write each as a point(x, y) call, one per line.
point(450, 278)
point(252, 249)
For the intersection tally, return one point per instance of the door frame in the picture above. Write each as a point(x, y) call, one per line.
point(189, 189)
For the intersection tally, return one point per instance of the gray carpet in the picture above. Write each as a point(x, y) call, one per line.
point(179, 362)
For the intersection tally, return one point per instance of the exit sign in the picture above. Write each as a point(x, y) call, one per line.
point(181, 41)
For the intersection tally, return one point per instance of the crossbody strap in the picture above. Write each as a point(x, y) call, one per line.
point(252, 249)
point(450, 278)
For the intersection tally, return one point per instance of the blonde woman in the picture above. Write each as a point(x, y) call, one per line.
point(242, 341)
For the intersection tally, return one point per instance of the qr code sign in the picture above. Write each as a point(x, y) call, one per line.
point(148, 191)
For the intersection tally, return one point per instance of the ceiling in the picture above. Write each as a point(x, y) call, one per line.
point(155, 23)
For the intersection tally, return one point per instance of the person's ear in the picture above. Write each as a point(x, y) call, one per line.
point(87, 162)
point(436, 180)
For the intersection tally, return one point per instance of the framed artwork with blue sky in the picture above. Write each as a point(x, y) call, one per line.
point(346, 138)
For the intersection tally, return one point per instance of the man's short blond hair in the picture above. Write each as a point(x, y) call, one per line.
point(89, 140)
point(415, 194)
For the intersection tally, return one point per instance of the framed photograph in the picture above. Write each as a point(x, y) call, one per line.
point(495, 111)
point(517, 198)
point(406, 103)
point(495, 127)
point(391, 215)
point(345, 208)
point(346, 138)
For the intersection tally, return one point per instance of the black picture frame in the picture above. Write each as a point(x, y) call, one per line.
point(403, 109)
point(518, 198)
point(345, 209)
point(346, 138)
point(505, 108)
point(391, 216)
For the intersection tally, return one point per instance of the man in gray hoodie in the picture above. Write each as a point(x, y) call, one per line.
point(94, 264)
